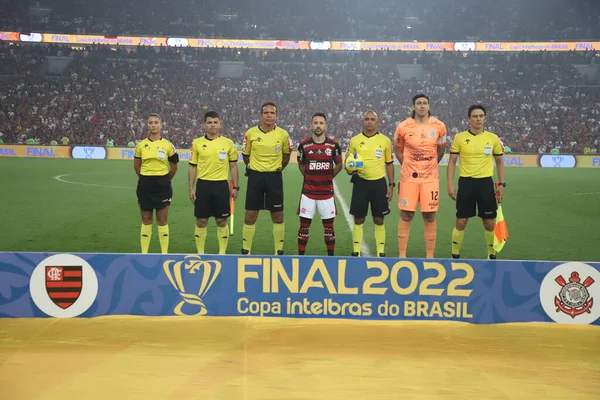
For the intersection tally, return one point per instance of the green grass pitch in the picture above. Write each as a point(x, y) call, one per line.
point(552, 214)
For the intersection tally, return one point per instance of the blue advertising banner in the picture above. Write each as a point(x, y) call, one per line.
point(476, 291)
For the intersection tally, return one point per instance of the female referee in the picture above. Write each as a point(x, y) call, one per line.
point(155, 163)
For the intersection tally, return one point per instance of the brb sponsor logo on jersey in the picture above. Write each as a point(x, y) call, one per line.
point(63, 286)
point(569, 291)
point(319, 165)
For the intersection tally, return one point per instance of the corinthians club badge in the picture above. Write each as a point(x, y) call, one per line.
point(574, 298)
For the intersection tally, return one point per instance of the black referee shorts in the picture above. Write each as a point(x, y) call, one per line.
point(154, 192)
point(212, 199)
point(476, 195)
point(265, 191)
point(365, 193)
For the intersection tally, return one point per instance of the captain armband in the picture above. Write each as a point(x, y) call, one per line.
point(174, 158)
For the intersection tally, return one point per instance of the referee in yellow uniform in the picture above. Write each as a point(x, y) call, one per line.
point(477, 150)
point(155, 163)
point(213, 157)
point(266, 152)
point(369, 185)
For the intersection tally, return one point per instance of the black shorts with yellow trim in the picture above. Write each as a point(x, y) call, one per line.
point(476, 196)
point(154, 192)
point(265, 191)
point(212, 199)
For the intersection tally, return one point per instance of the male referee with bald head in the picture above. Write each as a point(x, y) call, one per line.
point(369, 185)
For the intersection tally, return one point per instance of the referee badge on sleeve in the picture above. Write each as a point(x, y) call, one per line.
point(487, 150)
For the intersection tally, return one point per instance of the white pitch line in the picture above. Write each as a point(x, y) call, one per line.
point(364, 250)
point(60, 179)
point(557, 195)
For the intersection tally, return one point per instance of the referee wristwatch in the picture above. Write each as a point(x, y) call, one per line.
point(502, 183)
point(392, 184)
point(236, 188)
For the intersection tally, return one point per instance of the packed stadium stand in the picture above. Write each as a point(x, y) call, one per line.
point(422, 20)
point(536, 100)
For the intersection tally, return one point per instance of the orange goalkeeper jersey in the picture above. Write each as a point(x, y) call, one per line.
point(420, 143)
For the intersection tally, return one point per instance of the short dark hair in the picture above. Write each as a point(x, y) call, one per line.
point(155, 115)
point(262, 108)
point(417, 97)
point(211, 114)
point(476, 107)
point(319, 115)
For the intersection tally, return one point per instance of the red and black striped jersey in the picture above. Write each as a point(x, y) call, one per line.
point(319, 160)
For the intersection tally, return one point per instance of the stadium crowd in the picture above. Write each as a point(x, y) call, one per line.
point(535, 101)
point(423, 20)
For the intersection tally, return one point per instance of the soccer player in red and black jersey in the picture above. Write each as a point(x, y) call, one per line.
point(319, 160)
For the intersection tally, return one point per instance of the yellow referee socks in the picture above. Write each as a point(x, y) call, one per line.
point(489, 242)
point(278, 236)
point(357, 236)
point(163, 237)
point(247, 237)
point(457, 239)
point(200, 238)
point(145, 236)
point(380, 238)
point(223, 238)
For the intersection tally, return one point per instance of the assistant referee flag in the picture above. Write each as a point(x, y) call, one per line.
point(501, 231)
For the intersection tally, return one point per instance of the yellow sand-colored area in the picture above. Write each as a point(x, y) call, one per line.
point(251, 358)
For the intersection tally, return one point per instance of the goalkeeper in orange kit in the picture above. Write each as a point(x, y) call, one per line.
point(420, 145)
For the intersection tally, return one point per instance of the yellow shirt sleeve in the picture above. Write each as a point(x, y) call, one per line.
point(171, 150)
point(388, 152)
point(498, 149)
point(455, 145)
point(247, 146)
point(138, 151)
point(194, 159)
point(351, 149)
point(287, 144)
point(233, 154)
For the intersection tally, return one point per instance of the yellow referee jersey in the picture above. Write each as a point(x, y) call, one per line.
point(376, 151)
point(266, 149)
point(476, 153)
point(155, 156)
point(212, 157)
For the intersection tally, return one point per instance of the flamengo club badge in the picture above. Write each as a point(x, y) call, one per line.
point(569, 291)
point(63, 286)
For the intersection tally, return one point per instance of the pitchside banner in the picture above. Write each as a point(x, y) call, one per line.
point(91, 285)
point(269, 44)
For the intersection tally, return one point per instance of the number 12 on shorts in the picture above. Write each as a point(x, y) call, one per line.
point(434, 194)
